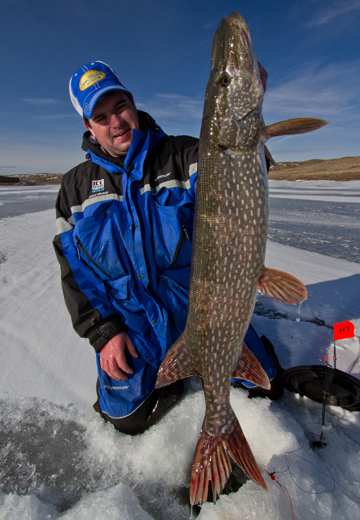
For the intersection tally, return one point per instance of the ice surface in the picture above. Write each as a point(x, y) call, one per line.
point(27, 199)
point(59, 460)
point(317, 217)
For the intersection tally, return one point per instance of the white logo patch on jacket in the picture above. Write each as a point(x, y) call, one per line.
point(97, 186)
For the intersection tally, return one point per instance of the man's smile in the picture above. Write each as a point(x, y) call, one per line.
point(121, 134)
point(114, 118)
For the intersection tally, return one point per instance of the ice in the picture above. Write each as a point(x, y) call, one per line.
point(27, 199)
point(313, 216)
point(59, 460)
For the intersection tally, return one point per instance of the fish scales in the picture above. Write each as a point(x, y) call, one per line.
point(230, 232)
point(230, 228)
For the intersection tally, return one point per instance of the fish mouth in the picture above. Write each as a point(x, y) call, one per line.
point(237, 16)
point(233, 33)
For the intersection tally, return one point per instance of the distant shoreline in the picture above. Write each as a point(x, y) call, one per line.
point(342, 169)
point(31, 179)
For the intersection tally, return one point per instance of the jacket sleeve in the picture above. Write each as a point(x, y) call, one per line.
point(186, 157)
point(85, 294)
point(192, 163)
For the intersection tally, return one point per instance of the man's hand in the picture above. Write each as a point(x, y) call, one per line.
point(112, 356)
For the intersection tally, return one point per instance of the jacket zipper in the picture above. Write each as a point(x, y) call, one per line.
point(78, 245)
point(183, 233)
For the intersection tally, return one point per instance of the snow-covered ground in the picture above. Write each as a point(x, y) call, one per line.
point(59, 460)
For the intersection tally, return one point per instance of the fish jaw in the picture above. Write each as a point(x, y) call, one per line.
point(234, 93)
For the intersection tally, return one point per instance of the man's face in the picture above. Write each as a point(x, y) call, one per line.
point(112, 122)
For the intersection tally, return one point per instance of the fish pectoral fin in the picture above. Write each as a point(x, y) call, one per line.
point(176, 364)
point(282, 287)
point(212, 462)
point(270, 158)
point(298, 125)
point(249, 368)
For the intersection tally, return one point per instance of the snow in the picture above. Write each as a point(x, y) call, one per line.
point(59, 460)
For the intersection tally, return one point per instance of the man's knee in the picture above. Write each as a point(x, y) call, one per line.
point(155, 406)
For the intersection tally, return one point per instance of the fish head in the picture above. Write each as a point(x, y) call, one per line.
point(234, 92)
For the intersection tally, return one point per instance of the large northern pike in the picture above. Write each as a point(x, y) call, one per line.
point(230, 231)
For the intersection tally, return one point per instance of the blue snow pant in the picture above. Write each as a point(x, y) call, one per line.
point(159, 401)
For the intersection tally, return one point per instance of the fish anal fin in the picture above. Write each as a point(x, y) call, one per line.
point(212, 463)
point(249, 368)
point(281, 286)
point(176, 364)
point(298, 125)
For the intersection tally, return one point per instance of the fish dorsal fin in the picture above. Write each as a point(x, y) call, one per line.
point(249, 368)
point(281, 286)
point(176, 364)
point(298, 125)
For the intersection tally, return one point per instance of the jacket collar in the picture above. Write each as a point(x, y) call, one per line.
point(90, 144)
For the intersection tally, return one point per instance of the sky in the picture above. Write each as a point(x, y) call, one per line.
point(161, 51)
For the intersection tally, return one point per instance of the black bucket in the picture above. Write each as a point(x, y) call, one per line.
point(319, 381)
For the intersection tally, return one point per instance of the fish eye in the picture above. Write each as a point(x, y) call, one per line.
point(225, 79)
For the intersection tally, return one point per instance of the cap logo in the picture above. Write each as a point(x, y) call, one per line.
point(89, 78)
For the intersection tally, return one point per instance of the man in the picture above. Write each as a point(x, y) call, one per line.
point(125, 224)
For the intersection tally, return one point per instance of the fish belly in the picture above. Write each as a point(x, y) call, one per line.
point(228, 257)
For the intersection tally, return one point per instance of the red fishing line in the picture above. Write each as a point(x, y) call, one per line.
point(285, 491)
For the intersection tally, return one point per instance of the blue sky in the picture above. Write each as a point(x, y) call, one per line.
point(161, 50)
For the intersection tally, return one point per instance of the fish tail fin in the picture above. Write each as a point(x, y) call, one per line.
point(281, 286)
point(212, 463)
point(241, 453)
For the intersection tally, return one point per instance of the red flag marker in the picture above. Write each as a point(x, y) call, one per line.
point(344, 330)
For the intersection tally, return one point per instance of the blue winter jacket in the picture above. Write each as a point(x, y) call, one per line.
point(124, 246)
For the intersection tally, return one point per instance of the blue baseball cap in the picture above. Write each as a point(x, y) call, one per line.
point(89, 83)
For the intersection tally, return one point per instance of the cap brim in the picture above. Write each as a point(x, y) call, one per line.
point(89, 107)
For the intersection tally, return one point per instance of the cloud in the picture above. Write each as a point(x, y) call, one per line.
point(338, 11)
point(175, 113)
point(40, 101)
point(326, 91)
point(7, 167)
point(57, 116)
point(308, 150)
point(173, 106)
point(42, 155)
